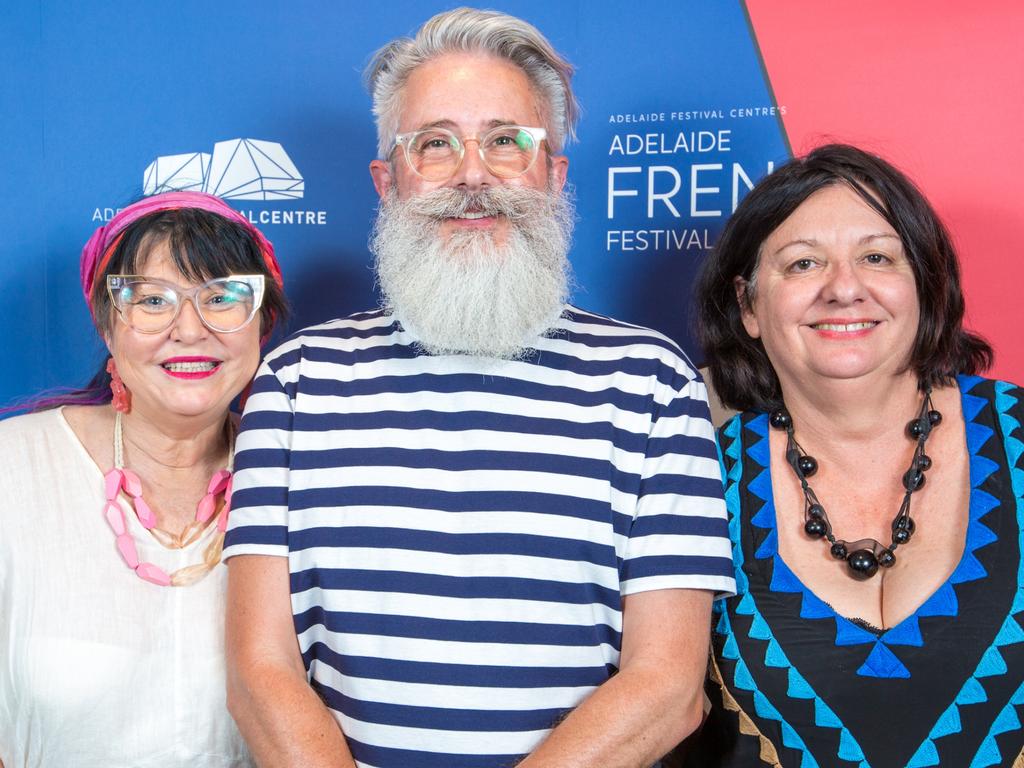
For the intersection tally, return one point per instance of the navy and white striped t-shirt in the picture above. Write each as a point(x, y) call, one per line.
point(461, 532)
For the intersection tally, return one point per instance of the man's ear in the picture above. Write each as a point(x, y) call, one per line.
point(380, 172)
point(559, 171)
point(745, 298)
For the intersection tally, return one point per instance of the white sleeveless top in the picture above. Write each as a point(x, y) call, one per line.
point(98, 668)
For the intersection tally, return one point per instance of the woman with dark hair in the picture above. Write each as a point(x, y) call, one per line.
point(874, 484)
point(115, 503)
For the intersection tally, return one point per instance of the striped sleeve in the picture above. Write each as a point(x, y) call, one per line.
point(258, 524)
point(679, 537)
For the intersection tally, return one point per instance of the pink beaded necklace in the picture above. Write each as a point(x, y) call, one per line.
point(122, 479)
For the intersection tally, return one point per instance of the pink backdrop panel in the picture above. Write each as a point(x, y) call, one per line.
point(934, 87)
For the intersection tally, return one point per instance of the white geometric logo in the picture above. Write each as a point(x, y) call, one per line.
point(239, 169)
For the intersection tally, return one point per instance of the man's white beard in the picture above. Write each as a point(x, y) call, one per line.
point(465, 294)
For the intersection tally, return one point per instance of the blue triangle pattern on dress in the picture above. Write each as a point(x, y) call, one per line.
point(1006, 720)
point(972, 693)
point(977, 436)
point(969, 569)
point(783, 579)
point(948, 722)
point(742, 678)
point(790, 737)
point(798, 687)
point(967, 382)
point(1010, 632)
point(745, 605)
point(1018, 600)
point(972, 406)
point(849, 749)
point(761, 486)
point(759, 452)
point(765, 516)
point(733, 451)
point(722, 627)
point(943, 602)
point(759, 425)
point(1014, 449)
point(992, 663)
point(824, 716)
point(814, 607)
point(1017, 481)
point(774, 655)
point(981, 468)
point(764, 708)
point(979, 535)
point(926, 755)
point(1008, 423)
point(1004, 400)
point(759, 628)
point(981, 503)
point(808, 761)
point(732, 501)
point(988, 755)
point(882, 662)
point(848, 633)
point(1002, 387)
point(907, 632)
point(731, 428)
point(769, 546)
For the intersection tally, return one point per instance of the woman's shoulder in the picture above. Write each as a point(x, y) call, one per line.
point(1006, 397)
point(49, 432)
point(731, 429)
point(972, 383)
point(29, 425)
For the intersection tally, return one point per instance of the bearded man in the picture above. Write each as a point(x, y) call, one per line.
point(478, 526)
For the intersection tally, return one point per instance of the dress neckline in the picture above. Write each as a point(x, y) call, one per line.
point(942, 601)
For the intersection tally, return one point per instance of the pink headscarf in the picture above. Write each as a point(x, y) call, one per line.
point(98, 250)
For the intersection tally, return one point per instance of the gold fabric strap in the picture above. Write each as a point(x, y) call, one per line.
point(747, 727)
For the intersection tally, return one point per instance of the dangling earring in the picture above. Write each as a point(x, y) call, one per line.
point(122, 400)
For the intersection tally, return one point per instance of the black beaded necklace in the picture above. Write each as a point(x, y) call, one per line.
point(864, 556)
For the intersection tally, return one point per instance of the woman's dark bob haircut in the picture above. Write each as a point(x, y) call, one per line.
point(741, 372)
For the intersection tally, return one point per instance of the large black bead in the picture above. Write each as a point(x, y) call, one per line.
point(780, 419)
point(913, 479)
point(924, 462)
point(863, 563)
point(916, 428)
point(808, 465)
point(815, 527)
point(886, 558)
point(838, 550)
point(934, 418)
point(815, 510)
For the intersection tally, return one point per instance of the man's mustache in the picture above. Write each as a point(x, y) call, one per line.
point(513, 203)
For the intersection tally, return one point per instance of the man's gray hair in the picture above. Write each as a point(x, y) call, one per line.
point(471, 30)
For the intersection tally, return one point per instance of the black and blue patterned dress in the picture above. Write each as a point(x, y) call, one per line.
point(794, 684)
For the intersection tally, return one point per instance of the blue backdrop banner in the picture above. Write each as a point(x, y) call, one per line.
point(263, 104)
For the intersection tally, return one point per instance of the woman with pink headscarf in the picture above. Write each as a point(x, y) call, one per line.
point(115, 501)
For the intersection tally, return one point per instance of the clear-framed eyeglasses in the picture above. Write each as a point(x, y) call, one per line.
point(435, 154)
point(224, 304)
